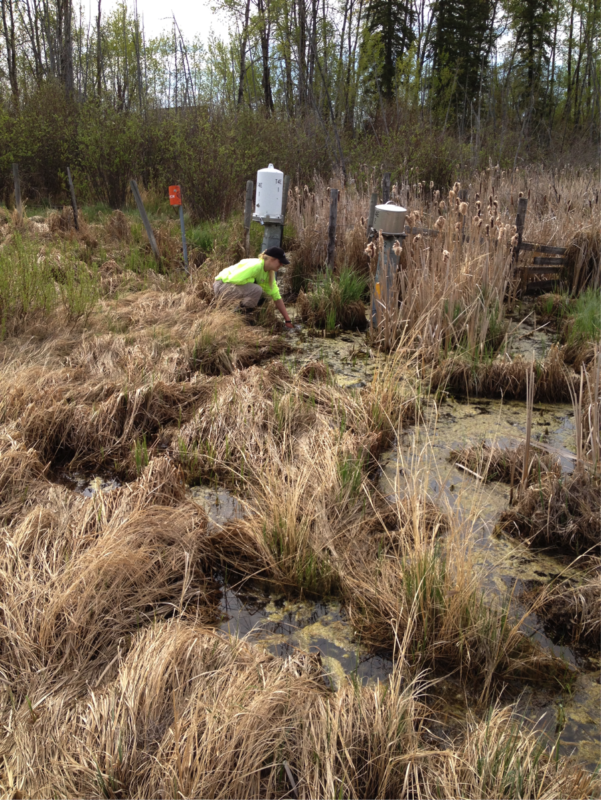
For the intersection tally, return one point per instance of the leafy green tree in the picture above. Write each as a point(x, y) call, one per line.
point(390, 24)
point(460, 49)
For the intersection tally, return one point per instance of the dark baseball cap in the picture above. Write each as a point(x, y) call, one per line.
point(277, 252)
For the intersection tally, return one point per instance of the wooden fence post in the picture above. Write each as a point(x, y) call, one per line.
point(332, 226)
point(520, 221)
point(248, 209)
point(145, 221)
point(285, 204)
point(386, 187)
point(372, 210)
point(17, 182)
point(73, 200)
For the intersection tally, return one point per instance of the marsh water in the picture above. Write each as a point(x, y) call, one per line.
point(283, 626)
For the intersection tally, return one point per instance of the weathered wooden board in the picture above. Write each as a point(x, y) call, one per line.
point(543, 248)
point(558, 262)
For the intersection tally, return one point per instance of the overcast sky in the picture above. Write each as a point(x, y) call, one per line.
point(193, 16)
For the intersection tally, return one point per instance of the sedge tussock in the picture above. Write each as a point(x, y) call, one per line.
point(430, 606)
point(263, 415)
point(19, 468)
point(502, 757)
point(562, 513)
point(494, 463)
point(80, 576)
point(574, 610)
point(505, 377)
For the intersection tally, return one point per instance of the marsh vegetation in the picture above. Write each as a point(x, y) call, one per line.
point(442, 497)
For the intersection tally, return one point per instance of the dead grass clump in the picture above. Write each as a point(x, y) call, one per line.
point(117, 227)
point(315, 371)
point(215, 717)
point(583, 261)
point(170, 246)
point(503, 757)
point(61, 221)
point(80, 575)
point(174, 334)
point(19, 468)
point(574, 611)
point(261, 416)
point(562, 513)
point(551, 306)
point(99, 424)
point(506, 378)
point(493, 463)
point(427, 605)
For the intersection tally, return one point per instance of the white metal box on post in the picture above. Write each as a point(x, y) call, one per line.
point(269, 202)
point(270, 195)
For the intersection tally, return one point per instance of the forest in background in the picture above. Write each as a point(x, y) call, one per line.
point(427, 90)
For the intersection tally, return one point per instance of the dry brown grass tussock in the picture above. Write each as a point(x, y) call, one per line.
point(261, 416)
point(20, 467)
point(494, 463)
point(81, 576)
point(562, 513)
point(506, 377)
point(90, 397)
point(575, 610)
point(193, 712)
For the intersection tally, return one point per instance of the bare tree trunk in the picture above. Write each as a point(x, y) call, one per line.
point(8, 29)
point(264, 36)
point(243, 43)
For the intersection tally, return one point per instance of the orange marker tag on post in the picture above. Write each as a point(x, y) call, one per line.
point(175, 195)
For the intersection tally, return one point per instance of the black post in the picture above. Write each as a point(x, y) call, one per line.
point(73, 200)
point(386, 187)
point(332, 226)
point(248, 210)
point(17, 182)
point(372, 210)
point(145, 221)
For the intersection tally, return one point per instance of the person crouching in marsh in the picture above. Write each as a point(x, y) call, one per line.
point(250, 279)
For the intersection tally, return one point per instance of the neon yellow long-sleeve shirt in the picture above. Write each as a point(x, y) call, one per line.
point(250, 270)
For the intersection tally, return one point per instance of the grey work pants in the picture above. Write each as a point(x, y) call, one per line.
point(248, 294)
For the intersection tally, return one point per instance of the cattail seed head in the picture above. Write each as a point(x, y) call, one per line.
point(431, 184)
point(458, 227)
point(520, 195)
point(487, 230)
point(463, 209)
point(514, 240)
point(445, 256)
point(442, 206)
point(440, 223)
point(475, 219)
point(396, 248)
point(417, 215)
point(451, 196)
